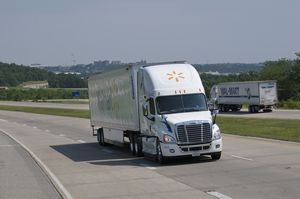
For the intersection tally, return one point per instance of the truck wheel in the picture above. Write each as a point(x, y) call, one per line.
point(138, 146)
point(132, 143)
point(221, 107)
point(100, 137)
point(267, 110)
point(250, 109)
point(216, 156)
point(226, 109)
point(255, 109)
point(159, 156)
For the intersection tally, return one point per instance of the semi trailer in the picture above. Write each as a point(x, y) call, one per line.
point(159, 109)
point(257, 95)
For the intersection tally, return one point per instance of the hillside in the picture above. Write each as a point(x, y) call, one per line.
point(12, 75)
point(231, 68)
point(98, 66)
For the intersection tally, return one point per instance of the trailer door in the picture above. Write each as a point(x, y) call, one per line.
point(267, 93)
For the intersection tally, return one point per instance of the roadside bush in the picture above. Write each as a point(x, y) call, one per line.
point(18, 94)
point(289, 104)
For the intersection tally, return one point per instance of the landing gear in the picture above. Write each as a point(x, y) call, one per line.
point(132, 143)
point(100, 137)
point(136, 146)
point(253, 109)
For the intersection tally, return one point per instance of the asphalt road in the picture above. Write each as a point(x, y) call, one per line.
point(277, 114)
point(20, 176)
point(249, 167)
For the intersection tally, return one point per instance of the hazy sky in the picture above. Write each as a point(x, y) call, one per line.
point(55, 32)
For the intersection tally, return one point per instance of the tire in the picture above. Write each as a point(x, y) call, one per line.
point(159, 156)
point(216, 156)
point(138, 146)
point(250, 109)
point(221, 108)
point(226, 109)
point(267, 110)
point(100, 137)
point(255, 109)
point(132, 143)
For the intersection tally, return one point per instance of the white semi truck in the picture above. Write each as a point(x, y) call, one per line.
point(160, 109)
point(257, 95)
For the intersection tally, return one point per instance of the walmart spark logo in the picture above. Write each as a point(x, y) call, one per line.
point(176, 76)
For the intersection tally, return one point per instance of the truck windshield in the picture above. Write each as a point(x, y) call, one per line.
point(181, 103)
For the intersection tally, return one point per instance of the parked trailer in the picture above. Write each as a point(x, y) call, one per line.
point(160, 109)
point(257, 95)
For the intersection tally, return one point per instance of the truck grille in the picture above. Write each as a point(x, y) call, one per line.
point(194, 133)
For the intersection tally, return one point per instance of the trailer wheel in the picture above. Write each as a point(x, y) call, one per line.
point(221, 108)
point(100, 137)
point(255, 109)
point(132, 143)
point(159, 156)
point(250, 109)
point(216, 156)
point(138, 146)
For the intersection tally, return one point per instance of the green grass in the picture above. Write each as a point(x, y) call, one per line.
point(280, 129)
point(48, 111)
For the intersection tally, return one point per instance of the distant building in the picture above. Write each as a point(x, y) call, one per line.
point(115, 62)
point(3, 88)
point(35, 84)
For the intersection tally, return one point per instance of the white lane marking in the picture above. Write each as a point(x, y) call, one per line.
point(2, 120)
point(81, 141)
point(148, 167)
point(243, 158)
point(59, 186)
point(34, 127)
point(62, 135)
point(218, 195)
point(115, 160)
point(47, 130)
point(24, 124)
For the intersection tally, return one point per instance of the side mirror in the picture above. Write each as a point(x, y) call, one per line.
point(214, 113)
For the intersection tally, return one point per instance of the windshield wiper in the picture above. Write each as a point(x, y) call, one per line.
point(172, 111)
point(192, 109)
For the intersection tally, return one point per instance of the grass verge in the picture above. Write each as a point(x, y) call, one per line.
point(48, 111)
point(279, 129)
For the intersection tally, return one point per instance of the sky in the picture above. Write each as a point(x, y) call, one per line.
point(64, 32)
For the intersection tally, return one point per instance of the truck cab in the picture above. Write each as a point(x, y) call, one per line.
point(173, 113)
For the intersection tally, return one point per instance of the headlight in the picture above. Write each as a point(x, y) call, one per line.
point(216, 132)
point(168, 139)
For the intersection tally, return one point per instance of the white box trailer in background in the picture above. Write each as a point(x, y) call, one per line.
point(160, 109)
point(258, 95)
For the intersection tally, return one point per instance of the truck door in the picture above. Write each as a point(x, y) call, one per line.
point(146, 106)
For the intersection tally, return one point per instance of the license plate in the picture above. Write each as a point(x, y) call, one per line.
point(195, 153)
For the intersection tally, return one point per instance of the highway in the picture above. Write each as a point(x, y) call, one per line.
point(276, 114)
point(20, 176)
point(249, 167)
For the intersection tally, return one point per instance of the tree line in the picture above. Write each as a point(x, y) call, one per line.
point(12, 75)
